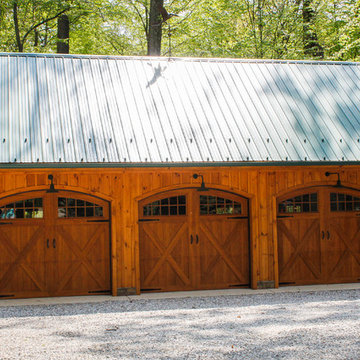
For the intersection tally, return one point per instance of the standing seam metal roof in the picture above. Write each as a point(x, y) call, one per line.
point(74, 109)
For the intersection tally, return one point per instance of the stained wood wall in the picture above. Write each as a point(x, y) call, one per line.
point(125, 187)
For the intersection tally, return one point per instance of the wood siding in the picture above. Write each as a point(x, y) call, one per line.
point(124, 188)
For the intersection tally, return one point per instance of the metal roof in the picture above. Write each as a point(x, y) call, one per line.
point(73, 109)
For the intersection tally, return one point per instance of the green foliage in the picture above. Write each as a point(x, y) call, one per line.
point(204, 28)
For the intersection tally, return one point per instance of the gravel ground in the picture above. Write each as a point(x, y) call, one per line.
point(316, 325)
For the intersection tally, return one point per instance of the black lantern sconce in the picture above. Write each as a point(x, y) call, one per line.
point(202, 186)
point(52, 187)
point(338, 183)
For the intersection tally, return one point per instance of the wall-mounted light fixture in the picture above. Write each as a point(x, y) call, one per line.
point(338, 183)
point(52, 187)
point(202, 186)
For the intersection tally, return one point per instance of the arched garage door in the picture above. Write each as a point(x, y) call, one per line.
point(319, 236)
point(194, 240)
point(54, 244)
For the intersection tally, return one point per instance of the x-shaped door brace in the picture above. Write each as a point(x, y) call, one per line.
point(165, 252)
point(221, 251)
point(19, 257)
point(348, 247)
point(298, 248)
point(81, 256)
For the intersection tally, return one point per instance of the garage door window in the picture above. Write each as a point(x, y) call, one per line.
point(77, 208)
point(306, 203)
point(23, 209)
point(215, 205)
point(344, 202)
point(171, 206)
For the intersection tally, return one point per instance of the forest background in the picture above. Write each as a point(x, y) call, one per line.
point(262, 29)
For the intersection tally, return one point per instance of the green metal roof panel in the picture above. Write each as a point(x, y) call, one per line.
point(73, 109)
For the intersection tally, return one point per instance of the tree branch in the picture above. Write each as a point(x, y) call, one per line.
point(43, 22)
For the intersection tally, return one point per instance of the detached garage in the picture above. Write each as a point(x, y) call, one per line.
point(127, 175)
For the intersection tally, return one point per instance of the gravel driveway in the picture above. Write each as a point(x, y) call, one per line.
point(315, 325)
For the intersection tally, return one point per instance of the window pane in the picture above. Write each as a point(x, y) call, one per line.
point(71, 212)
point(182, 210)
point(89, 211)
point(28, 213)
point(80, 212)
point(70, 202)
point(155, 210)
point(164, 210)
point(61, 212)
point(19, 213)
point(237, 208)
point(61, 201)
point(38, 202)
point(349, 206)
point(182, 199)
point(203, 199)
point(80, 203)
point(173, 210)
point(29, 203)
point(173, 200)
point(164, 201)
point(99, 211)
point(203, 209)
point(212, 209)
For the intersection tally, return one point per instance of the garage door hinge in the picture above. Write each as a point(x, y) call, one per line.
point(5, 223)
point(238, 217)
point(284, 216)
point(147, 220)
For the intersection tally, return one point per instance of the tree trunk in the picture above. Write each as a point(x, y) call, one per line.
point(312, 47)
point(16, 24)
point(155, 28)
point(63, 33)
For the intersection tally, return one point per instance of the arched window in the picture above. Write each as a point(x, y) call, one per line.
point(305, 203)
point(170, 206)
point(23, 209)
point(77, 208)
point(216, 205)
point(344, 202)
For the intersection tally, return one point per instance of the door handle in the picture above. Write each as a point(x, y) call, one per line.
point(191, 239)
point(197, 239)
point(323, 235)
point(54, 243)
point(328, 234)
point(47, 243)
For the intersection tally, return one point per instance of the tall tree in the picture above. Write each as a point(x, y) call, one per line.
point(63, 34)
point(312, 47)
point(154, 35)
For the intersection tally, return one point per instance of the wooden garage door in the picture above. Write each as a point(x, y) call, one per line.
point(194, 240)
point(319, 237)
point(54, 244)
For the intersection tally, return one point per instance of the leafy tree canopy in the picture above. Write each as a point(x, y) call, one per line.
point(274, 29)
